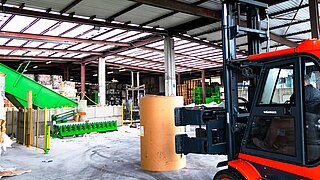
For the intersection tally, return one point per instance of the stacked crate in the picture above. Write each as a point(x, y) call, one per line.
point(185, 90)
point(182, 91)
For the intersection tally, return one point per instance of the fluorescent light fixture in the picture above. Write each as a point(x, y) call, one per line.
point(34, 67)
point(110, 72)
point(121, 70)
point(149, 27)
point(25, 71)
point(136, 25)
point(95, 75)
point(71, 79)
point(48, 62)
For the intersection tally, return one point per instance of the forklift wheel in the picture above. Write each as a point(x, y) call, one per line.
point(228, 174)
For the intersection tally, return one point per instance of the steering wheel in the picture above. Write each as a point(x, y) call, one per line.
point(244, 104)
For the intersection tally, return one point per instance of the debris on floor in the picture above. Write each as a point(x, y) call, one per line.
point(5, 143)
point(48, 161)
point(12, 172)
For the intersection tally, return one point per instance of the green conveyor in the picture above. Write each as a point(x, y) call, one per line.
point(17, 86)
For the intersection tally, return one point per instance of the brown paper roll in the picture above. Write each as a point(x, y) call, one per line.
point(158, 140)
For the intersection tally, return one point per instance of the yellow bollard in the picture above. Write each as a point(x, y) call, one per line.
point(49, 141)
point(37, 128)
point(24, 125)
point(12, 123)
point(30, 128)
point(45, 130)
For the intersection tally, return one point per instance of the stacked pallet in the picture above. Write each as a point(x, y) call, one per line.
point(182, 91)
point(185, 90)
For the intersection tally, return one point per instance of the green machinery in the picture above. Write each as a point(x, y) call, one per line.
point(62, 127)
point(77, 128)
point(63, 117)
point(212, 95)
point(17, 86)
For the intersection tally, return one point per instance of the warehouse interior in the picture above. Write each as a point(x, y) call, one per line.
point(89, 64)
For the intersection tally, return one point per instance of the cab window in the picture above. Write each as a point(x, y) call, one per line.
point(279, 86)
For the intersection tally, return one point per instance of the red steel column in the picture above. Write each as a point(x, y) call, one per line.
point(66, 72)
point(83, 79)
point(203, 79)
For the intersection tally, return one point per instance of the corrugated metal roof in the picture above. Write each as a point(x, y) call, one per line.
point(286, 5)
point(190, 55)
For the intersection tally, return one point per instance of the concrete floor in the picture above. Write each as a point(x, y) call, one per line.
point(112, 155)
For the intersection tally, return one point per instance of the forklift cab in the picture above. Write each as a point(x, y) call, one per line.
point(279, 137)
point(282, 137)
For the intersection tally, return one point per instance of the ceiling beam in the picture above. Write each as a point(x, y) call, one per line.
point(37, 58)
point(46, 38)
point(203, 12)
point(182, 7)
point(71, 5)
point(314, 21)
point(138, 43)
point(272, 2)
point(134, 67)
point(15, 48)
point(150, 61)
point(170, 14)
point(158, 18)
point(112, 17)
point(57, 17)
point(297, 33)
point(275, 37)
point(194, 24)
point(181, 55)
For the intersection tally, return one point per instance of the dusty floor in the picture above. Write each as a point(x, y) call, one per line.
point(112, 155)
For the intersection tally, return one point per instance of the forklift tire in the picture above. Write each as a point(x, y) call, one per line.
point(228, 174)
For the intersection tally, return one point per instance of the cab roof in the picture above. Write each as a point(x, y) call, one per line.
point(311, 46)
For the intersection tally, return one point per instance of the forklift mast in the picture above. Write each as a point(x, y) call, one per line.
point(232, 25)
point(221, 129)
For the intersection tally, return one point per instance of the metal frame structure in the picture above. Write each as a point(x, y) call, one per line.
point(65, 32)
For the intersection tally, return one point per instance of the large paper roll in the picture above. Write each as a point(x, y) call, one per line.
point(157, 140)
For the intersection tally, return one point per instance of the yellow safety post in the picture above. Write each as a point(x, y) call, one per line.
point(49, 141)
point(12, 123)
point(37, 128)
point(30, 128)
point(24, 125)
point(18, 126)
point(45, 130)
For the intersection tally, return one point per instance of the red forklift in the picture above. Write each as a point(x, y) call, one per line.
point(273, 132)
